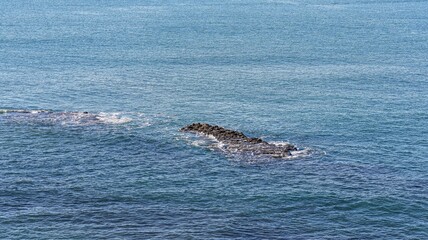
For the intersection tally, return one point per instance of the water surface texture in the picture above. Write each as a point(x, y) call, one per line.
point(93, 94)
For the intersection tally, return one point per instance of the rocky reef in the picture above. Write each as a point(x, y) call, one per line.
point(234, 141)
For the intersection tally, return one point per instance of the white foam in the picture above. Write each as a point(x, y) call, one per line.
point(198, 143)
point(304, 152)
point(22, 111)
point(13, 111)
point(112, 118)
point(280, 143)
point(300, 153)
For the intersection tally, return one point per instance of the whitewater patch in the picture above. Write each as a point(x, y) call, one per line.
point(47, 117)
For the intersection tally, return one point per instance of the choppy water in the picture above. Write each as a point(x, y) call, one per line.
point(346, 80)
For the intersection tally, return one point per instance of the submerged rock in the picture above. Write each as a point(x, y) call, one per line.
point(234, 141)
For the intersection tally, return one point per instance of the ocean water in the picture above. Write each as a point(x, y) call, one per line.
point(345, 81)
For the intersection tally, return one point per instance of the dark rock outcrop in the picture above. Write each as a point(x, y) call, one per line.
point(234, 141)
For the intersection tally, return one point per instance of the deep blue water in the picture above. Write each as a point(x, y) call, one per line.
point(347, 80)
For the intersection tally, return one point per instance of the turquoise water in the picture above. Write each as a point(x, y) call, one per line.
point(347, 81)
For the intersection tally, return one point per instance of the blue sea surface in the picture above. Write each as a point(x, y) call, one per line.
point(345, 80)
